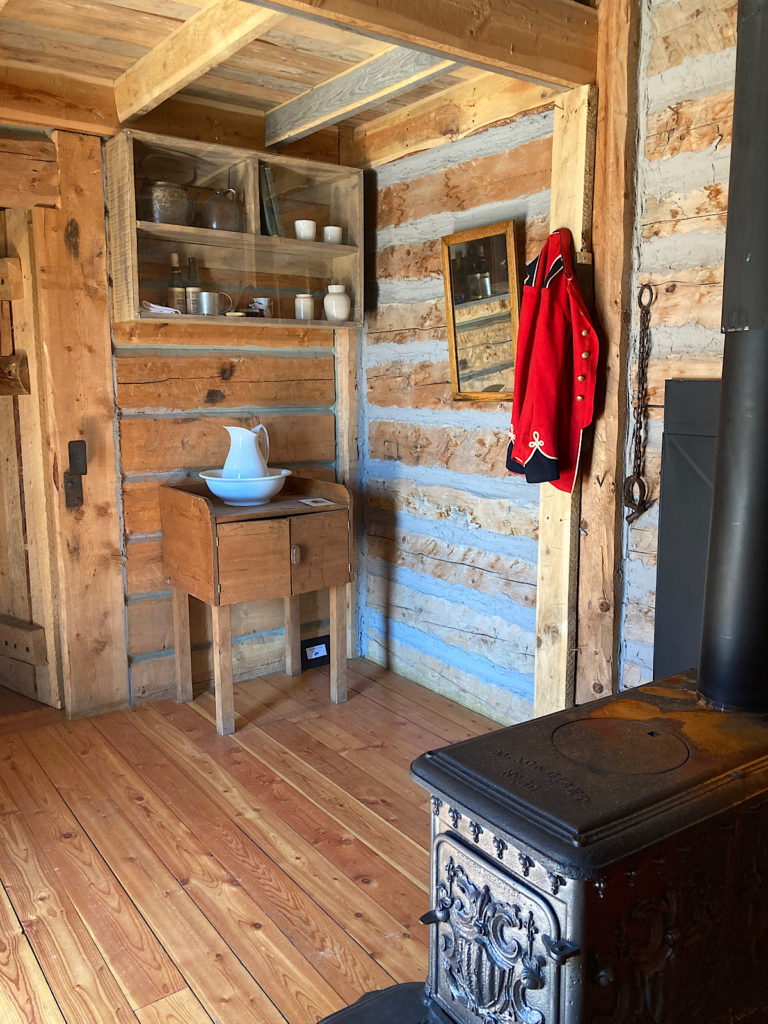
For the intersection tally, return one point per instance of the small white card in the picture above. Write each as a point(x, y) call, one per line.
point(318, 651)
point(315, 501)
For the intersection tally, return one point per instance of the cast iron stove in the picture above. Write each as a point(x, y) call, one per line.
point(605, 864)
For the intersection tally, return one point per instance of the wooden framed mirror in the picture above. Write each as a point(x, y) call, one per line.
point(482, 301)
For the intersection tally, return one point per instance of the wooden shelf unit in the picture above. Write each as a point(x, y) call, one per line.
point(226, 554)
point(243, 264)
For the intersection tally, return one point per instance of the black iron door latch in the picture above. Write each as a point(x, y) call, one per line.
point(73, 477)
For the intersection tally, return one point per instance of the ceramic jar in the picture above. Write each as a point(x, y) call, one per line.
point(304, 306)
point(336, 303)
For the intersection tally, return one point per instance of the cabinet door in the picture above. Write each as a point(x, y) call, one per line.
point(254, 560)
point(319, 551)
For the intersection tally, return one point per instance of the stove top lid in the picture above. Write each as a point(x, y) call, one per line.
point(587, 786)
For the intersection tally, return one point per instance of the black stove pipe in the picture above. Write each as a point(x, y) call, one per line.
point(733, 666)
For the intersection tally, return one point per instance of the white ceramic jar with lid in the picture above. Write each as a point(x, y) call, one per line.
point(336, 303)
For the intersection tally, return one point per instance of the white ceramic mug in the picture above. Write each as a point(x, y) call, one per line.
point(332, 233)
point(261, 305)
point(210, 303)
point(305, 229)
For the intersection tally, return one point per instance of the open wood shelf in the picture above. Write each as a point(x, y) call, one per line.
point(258, 261)
point(261, 321)
point(189, 234)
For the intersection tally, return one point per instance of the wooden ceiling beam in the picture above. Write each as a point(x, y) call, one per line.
point(453, 114)
point(212, 34)
point(550, 41)
point(380, 77)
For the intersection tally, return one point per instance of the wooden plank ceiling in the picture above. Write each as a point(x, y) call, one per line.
point(296, 65)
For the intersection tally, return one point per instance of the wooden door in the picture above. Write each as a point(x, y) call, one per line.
point(29, 651)
point(319, 551)
point(62, 569)
point(253, 560)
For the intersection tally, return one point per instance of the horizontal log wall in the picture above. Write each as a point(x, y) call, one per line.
point(686, 102)
point(447, 587)
point(176, 388)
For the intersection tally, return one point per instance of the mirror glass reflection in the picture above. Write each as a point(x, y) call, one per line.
point(481, 314)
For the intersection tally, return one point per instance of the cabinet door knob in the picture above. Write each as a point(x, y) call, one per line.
point(295, 554)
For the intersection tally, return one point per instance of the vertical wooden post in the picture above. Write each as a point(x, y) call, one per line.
point(338, 597)
point(601, 508)
point(292, 636)
point(573, 148)
point(75, 333)
point(222, 669)
point(181, 645)
point(346, 440)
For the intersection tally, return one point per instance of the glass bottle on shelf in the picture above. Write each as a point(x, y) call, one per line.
point(193, 286)
point(176, 295)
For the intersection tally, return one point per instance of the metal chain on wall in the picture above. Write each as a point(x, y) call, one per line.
point(635, 489)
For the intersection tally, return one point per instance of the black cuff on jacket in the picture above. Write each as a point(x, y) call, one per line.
point(538, 469)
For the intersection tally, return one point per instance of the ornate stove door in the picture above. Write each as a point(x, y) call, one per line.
point(494, 953)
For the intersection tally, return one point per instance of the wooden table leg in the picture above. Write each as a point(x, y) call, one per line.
point(292, 636)
point(338, 596)
point(181, 645)
point(222, 669)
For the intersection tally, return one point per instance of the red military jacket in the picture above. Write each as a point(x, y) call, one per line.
point(555, 370)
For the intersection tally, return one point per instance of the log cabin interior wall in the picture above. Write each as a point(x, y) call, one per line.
point(176, 387)
point(449, 549)
point(686, 103)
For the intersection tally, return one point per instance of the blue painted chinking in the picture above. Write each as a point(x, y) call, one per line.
point(448, 554)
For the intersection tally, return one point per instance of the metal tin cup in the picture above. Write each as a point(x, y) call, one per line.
point(211, 303)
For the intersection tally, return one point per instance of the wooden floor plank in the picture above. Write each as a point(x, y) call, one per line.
point(25, 996)
point(357, 914)
point(320, 853)
point(438, 724)
point(425, 697)
point(370, 791)
point(81, 982)
point(158, 873)
point(218, 867)
point(179, 1008)
point(343, 732)
point(373, 755)
point(211, 970)
point(410, 857)
point(140, 965)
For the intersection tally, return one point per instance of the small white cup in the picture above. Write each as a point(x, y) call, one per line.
point(261, 305)
point(305, 229)
point(332, 233)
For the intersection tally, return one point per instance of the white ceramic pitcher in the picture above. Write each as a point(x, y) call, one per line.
point(248, 453)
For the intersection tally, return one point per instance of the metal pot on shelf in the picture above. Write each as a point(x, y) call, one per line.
point(165, 202)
